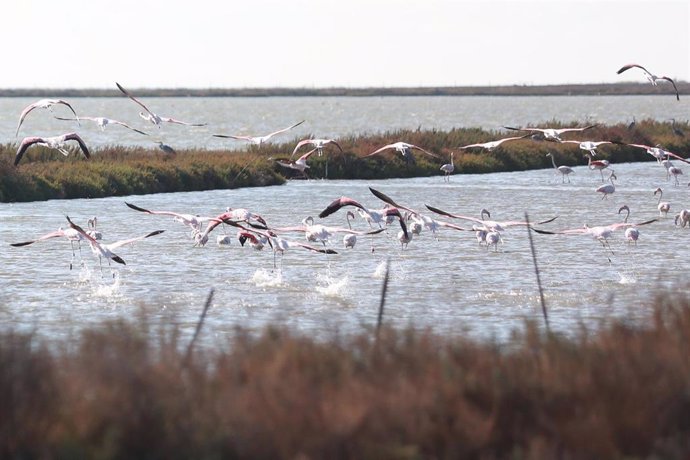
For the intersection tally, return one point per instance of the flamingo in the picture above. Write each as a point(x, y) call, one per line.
point(257, 140)
point(589, 146)
point(492, 238)
point(55, 142)
point(632, 234)
point(663, 206)
point(650, 76)
point(632, 124)
point(321, 233)
point(598, 164)
point(69, 233)
point(551, 134)
point(607, 189)
point(300, 164)
point(675, 172)
point(91, 224)
point(564, 170)
point(154, 118)
point(102, 122)
point(404, 148)
point(106, 250)
point(244, 215)
point(318, 144)
point(280, 245)
point(404, 238)
point(194, 222)
point(600, 233)
point(448, 168)
point(493, 144)
point(254, 241)
point(43, 104)
point(683, 217)
point(658, 152)
point(349, 239)
point(489, 225)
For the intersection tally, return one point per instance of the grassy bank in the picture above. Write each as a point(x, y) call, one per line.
point(116, 171)
point(128, 390)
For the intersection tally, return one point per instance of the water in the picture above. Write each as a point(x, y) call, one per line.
point(448, 284)
point(325, 116)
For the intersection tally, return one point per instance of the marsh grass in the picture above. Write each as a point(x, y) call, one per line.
point(116, 171)
point(128, 389)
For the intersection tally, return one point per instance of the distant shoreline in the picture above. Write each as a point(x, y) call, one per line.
point(599, 89)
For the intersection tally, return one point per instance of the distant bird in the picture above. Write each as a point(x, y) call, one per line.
point(676, 130)
point(42, 104)
point(55, 142)
point(194, 222)
point(280, 245)
point(372, 216)
point(165, 147)
point(92, 230)
point(565, 171)
point(148, 115)
point(632, 234)
point(590, 146)
point(663, 206)
point(448, 168)
point(404, 148)
point(299, 164)
point(607, 189)
point(632, 124)
point(245, 215)
point(598, 164)
point(658, 152)
point(321, 233)
point(102, 122)
point(488, 225)
point(318, 144)
point(493, 144)
point(675, 172)
point(257, 140)
point(599, 233)
point(551, 134)
point(650, 76)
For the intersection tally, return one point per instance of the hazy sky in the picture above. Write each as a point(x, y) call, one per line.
point(326, 43)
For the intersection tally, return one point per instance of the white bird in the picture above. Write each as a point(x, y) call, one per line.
point(683, 217)
point(659, 152)
point(663, 206)
point(590, 146)
point(404, 238)
point(280, 245)
point(55, 142)
point(349, 239)
point(551, 134)
point(223, 240)
point(675, 172)
point(564, 170)
point(299, 164)
point(650, 76)
point(448, 168)
point(194, 222)
point(318, 144)
point(69, 233)
point(92, 230)
point(489, 225)
point(632, 234)
point(607, 189)
point(106, 250)
point(600, 233)
point(492, 238)
point(257, 140)
point(404, 148)
point(43, 104)
point(245, 215)
point(154, 118)
point(102, 122)
point(493, 144)
point(321, 233)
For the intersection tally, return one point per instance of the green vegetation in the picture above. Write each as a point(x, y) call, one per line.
point(130, 390)
point(45, 174)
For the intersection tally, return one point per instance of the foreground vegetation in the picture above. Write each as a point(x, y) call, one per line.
point(117, 171)
point(131, 390)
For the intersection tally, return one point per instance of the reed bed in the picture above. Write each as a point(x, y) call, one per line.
point(129, 389)
point(116, 171)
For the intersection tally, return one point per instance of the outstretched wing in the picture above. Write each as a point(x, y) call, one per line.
point(126, 93)
point(80, 141)
point(26, 143)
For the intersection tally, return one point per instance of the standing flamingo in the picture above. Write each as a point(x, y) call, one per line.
point(663, 206)
point(598, 164)
point(607, 189)
point(632, 234)
point(565, 171)
point(448, 168)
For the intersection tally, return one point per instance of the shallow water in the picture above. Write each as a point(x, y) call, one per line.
point(447, 283)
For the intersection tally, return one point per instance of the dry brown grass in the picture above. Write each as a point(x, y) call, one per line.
point(125, 390)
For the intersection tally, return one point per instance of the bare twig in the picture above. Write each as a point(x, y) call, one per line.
point(379, 320)
point(198, 327)
point(536, 272)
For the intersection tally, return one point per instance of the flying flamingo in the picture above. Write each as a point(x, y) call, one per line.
point(244, 215)
point(43, 104)
point(607, 189)
point(257, 140)
point(299, 164)
point(632, 234)
point(658, 152)
point(91, 224)
point(156, 119)
point(564, 170)
point(590, 146)
point(55, 142)
point(448, 168)
point(69, 233)
point(194, 222)
point(102, 122)
point(318, 144)
point(254, 241)
point(404, 148)
point(551, 134)
point(106, 250)
point(321, 233)
point(280, 245)
point(493, 144)
point(650, 76)
point(663, 206)
point(489, 225)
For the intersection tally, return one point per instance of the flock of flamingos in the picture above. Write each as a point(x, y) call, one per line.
point(254, 230)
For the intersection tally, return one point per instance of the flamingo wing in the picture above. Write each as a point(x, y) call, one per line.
point(630, 66)
point(385, 147)
point(283, 130)
point(25, 144)
point(55, 234)
point(121, 243)
point(300, 144)
point(80, 141)
point(126, 93)
point(454, 216)
point(674, 86)
point(180, 122)
point(339, 203)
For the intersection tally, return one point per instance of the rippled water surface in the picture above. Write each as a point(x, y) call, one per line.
point(447, 283)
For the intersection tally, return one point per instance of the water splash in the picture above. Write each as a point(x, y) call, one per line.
point(101, 289)
point(627, 278)
point(265, 278)
point(332, 287)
